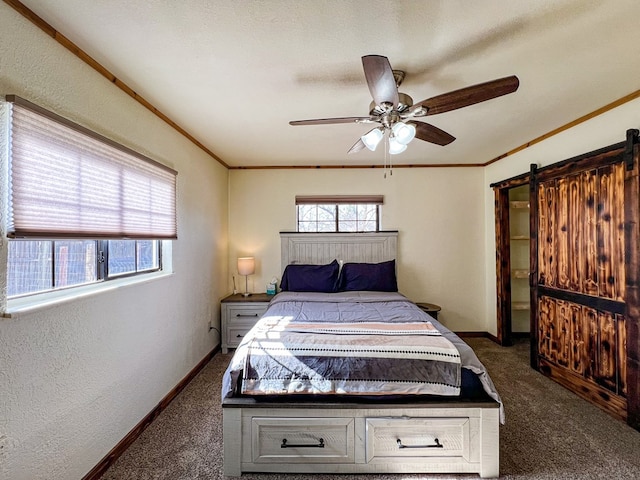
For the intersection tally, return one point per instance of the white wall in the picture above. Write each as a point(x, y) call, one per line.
point(75, 378)
point(606, 129)
point(436, 211)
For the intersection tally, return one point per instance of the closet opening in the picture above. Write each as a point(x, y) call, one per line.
point(512, 259)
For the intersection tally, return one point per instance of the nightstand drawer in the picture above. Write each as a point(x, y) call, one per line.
point(244, 312)
point(236, 330)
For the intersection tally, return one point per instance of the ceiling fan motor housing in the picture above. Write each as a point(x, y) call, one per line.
point(404, 102)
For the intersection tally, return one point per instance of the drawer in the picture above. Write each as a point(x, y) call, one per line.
point(243, 313)
point(302, 440)
point(407, 438)
point(237, 330)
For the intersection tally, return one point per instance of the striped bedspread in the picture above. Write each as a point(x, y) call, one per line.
point(354, 358)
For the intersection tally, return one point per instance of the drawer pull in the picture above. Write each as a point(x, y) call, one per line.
point(302, 445)
point(437, 445)
point(240, 315)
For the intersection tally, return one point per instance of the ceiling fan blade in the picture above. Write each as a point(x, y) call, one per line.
point(431, 134)
point(470, 95)
point(380, 79)
point(327, 121)
point(359, 145)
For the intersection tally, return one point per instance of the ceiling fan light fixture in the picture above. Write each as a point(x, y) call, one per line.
point(403, 132)
point(372, 138)
point(395, 111)
point(396, 147)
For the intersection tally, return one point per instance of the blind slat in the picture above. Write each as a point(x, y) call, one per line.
point(68, 182)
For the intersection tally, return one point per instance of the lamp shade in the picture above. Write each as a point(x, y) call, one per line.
point(372, 138)
point(404, 132)
point(396, 147)
point(246, 265)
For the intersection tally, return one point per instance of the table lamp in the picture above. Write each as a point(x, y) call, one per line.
point(246, 267)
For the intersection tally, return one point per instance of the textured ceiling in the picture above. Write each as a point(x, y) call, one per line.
point(234, 73)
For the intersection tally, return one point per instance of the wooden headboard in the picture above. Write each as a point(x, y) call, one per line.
point(322, 248)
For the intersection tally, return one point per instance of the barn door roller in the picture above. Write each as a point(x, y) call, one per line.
point(632, 139)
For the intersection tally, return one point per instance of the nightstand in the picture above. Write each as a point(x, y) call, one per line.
point(430, 308)
point(238, 315)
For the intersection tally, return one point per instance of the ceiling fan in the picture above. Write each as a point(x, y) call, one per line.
point(395, 111)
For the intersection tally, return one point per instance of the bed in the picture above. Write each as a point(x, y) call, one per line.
point(355, 381)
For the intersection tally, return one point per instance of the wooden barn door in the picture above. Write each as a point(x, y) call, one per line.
point(582, 213)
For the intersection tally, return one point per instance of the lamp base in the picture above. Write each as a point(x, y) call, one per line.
point(246, 286)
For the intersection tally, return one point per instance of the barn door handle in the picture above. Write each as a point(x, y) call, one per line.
point(437, 445)
point(320, 444)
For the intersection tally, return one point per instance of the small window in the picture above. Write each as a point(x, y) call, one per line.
point(338, 213)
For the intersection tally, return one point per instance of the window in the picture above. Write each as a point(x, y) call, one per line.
point(82, 208)
point(338, 213)
point(36, 266)
point(41, 265)
point(126, 257)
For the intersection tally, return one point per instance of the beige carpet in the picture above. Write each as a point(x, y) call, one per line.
point(549, 434)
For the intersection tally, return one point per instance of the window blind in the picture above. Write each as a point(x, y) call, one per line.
point(339, 199)
point(67, 181)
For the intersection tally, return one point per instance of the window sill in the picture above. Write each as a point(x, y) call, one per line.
point(42, 301)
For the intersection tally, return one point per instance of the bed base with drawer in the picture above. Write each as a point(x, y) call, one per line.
point(444, 437)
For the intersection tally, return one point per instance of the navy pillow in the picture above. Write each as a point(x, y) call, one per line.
point(378, 277)
point(311, 278)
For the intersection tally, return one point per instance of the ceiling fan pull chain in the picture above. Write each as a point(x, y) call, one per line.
point(386, 153)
